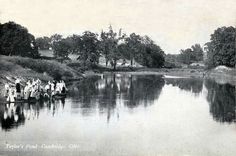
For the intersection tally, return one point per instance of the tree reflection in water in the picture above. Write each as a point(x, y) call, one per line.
point(108, 91)
point(143, 90)
point(193, 85)
point(221, 98)
point(16, 114)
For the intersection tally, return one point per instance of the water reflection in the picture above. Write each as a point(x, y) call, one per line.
point(221, 98)
point(16, 114)
point(143, 90)
point(11, 116)
point(110, 91)
point(193, 85)
point(132, 90)
point(110, 94)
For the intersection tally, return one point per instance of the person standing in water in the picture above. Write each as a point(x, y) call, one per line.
point(18, 88)
point(7, 87)
point(11, 96)
point(63, 87)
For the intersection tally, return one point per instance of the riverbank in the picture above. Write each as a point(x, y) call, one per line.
point(27, 68)
point(222, 75)
point(219, 74)
point(45, 70)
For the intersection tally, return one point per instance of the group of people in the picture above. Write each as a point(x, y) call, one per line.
point(33, 89)
point(54, 87)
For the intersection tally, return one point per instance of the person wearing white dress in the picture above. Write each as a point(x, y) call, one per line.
point(11, 97)
point(7, 87)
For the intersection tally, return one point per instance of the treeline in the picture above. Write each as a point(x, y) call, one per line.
point(113, 46)
point(186, 56)
point(220, 50)
point(89, 46)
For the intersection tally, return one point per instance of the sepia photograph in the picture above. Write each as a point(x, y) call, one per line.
point(117, 77)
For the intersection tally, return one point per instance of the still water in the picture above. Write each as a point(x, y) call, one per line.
point(123, 114)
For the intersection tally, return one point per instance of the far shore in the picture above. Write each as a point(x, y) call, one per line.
point(46, 70)
point(221, 77)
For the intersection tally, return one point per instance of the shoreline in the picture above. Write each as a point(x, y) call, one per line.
point(220, 77)
point(46, 70)
point(186, 73)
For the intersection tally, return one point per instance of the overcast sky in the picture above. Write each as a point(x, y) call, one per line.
point(172, 24)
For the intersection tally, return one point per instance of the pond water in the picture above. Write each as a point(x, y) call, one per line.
point(123, 114)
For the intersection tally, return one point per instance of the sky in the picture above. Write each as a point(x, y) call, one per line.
point(172, 24)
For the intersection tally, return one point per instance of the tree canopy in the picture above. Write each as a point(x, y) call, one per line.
point(110, 45)
point(61, 49)
point(191, 55)
point(221, 50)
point(16, 40)
point(89, 46)
point(43, 43)
point(131, 47)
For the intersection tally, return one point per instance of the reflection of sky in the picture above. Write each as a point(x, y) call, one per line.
point(177, 123)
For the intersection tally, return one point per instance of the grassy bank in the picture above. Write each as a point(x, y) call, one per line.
point(28, 68)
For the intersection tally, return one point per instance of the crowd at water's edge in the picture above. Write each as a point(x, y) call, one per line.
point(33, 90)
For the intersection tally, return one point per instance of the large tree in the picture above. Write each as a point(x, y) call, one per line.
point(186, 56)
point(197, 52)
point(111, 44)
point(134, 47)
point(152, 55)
point(105, 45)
point(61, 49)
point(89, 52)
point(191, 55)
point(55, 38)
point(43, 43)
point(75, 42)
point(221, 49)
point(16, 40)
point(116, 42)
